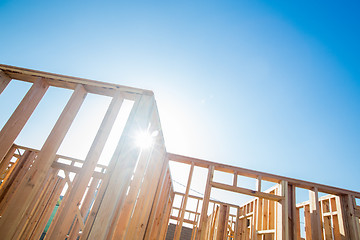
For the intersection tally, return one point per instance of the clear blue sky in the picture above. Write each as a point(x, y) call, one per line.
point(271, 86)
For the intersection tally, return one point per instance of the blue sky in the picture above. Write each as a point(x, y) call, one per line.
point(269, 85)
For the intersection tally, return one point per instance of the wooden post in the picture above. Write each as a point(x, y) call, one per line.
point(156, 227)
point(350, 220)
point(86, 204)
point(258, 184)
point(203, 217)
point(21, 115)
point(253, 208)
point(326, 220)
point(183, 207)
point(257, 217)
point(282, 223)
point(244, 228)
point(193, 233)
point(35, 176)
point(307, 218)
point(146, 198)
point(166, 216)
point(156, 203)
point(315, 214)
point(341, 228)
point(235, 179)
point(222, 223)
point(4, 80)
point(293, 218)
point(298, 232)
point(81, 180)
point(237, 225)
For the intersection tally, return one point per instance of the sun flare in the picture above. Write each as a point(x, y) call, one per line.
point(144, 140)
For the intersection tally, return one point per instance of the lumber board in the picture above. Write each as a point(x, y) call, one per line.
point(58, 80)
point(246, 191)
point(350, 220)
point(314, 214)
point(237, 224)
point(259, 212)
point(165, 220)
point(74, 169)
point(222, 223)
point(205, 205)
point(292, 214)
point(4, 80)
point(340, 219)
point(210, 200)
point(185, 220)
point(161, 209)
point(146, 197)
point(184, 203)
point(22, 113)
point(85, 207)
point(282, 217)
point(160, 189)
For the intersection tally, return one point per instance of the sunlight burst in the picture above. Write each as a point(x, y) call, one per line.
point(144, 140)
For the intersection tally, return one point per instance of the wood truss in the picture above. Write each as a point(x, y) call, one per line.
point(44, 195)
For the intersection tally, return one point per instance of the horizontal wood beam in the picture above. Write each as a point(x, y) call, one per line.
point(57, 157)
point(57, 80)
point(247, 191)
point(74, 169)
point(270, 231)
point(213, 201)
point(185, 220)
point(264, 176)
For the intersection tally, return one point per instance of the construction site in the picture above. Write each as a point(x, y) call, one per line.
point(47, 195)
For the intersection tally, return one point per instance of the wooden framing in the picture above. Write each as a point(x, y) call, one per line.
point(95, 203)
point(49, 196)
point(183, 205)
point(274, 213)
